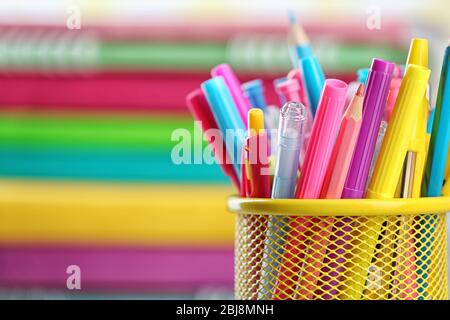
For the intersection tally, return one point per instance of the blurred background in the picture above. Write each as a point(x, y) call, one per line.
point(91, 205)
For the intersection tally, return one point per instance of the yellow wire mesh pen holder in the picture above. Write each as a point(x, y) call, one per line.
point(340, 249)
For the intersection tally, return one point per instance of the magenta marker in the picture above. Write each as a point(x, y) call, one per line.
point(377, 88)
point(297, 75)
point(234, 86)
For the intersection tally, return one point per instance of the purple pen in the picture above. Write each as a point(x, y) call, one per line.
point(377, 88)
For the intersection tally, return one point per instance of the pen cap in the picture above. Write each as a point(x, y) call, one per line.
point(418, 52)
point(292, 119)
point(314, 80)
point(255, 122)
point(395, 145)
point(291, 132)
point(200, 110)
point(234, 86)
point(254, 92)
point(377, 87)
point(226, 115)
point(323, 136)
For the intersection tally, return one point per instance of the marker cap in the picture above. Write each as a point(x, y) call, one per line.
point(418, 52)
point(254, 92)
point(398, 135)
point(255, 122)
point(226, 115)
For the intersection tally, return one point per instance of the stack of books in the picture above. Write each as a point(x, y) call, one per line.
point(87, 122)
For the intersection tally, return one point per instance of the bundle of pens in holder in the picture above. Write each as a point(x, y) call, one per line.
point(368, 161)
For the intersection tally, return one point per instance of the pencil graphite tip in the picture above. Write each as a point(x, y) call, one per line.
point(360, 91)
point(354, 109)
point(292, 17)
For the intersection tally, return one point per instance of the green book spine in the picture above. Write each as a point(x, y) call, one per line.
point(36, 131)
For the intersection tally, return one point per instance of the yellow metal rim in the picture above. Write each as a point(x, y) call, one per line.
point(338, 207)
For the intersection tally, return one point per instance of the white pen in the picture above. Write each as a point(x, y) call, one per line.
point(291, 133)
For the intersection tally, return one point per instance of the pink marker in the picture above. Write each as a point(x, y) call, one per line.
point(318, 154)
point(332, 188)
point(234, 86)
point(323, 136)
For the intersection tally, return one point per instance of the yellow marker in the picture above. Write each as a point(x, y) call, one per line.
point(393, 151)
point(405, 277)
point(255, 127)
point(396, 143)
point(408, 186)
point(418, 52)
point(418, 55)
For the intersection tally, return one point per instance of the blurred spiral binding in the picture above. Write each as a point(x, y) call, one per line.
point(48, 50)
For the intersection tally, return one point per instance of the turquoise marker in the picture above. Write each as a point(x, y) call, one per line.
point(227, 117)
point(440, 137)
point(435, 170)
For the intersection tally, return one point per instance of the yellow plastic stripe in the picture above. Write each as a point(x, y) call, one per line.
point(88, 213)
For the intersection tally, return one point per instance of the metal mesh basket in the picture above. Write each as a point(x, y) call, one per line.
point(340, 249)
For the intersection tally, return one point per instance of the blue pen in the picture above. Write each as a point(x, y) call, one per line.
point(254, 91)
point(440, 137)
point(227, 117)
point(291, 133)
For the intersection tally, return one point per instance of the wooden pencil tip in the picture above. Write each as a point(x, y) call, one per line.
point(360, 91)
point(297, 33)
